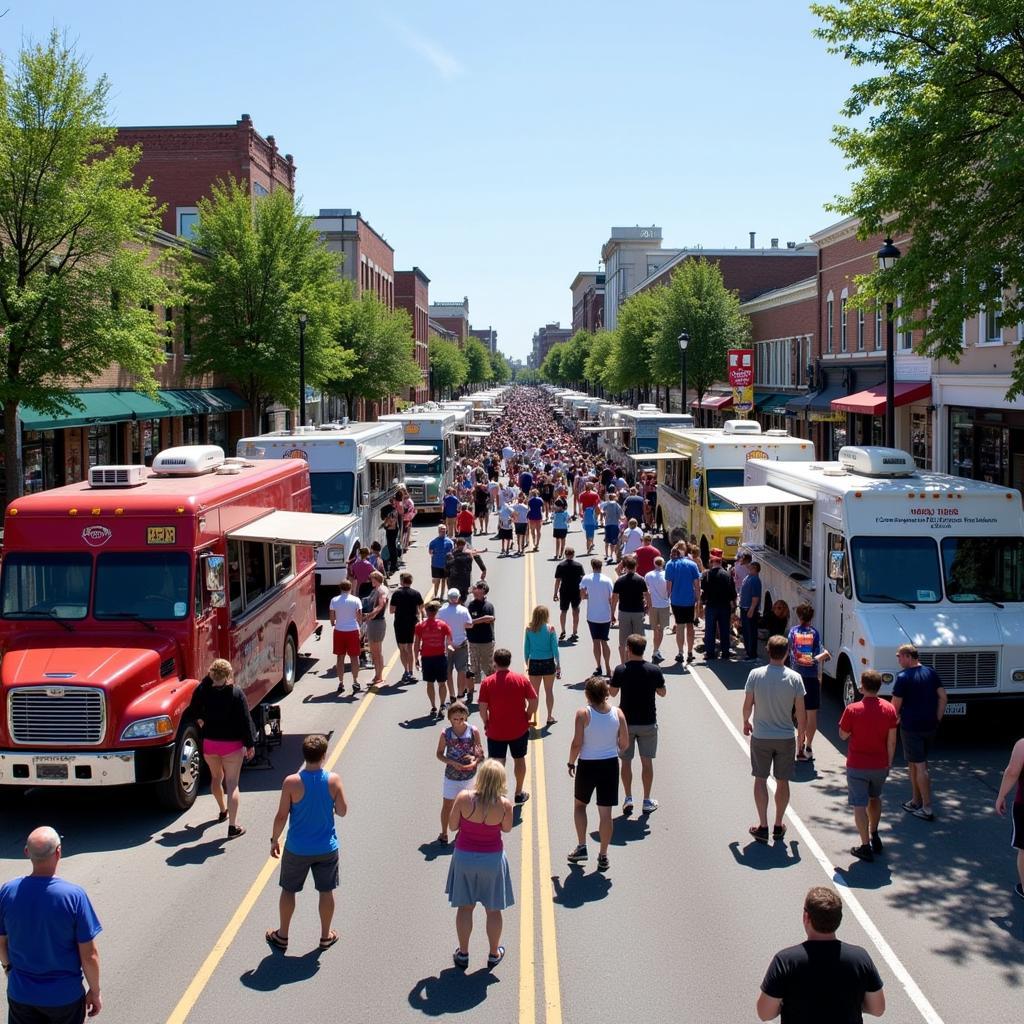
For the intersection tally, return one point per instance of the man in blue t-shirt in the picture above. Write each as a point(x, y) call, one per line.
point(682, 582)
point(526, 481)
point(440, 548)
point(750, 609)
point(48, 930)
point(920, 700)
point(450, 508)
point(633, 506)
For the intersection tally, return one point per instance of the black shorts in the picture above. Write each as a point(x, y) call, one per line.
point(520, 529)
point(652, 499)
point(541, 667)
point(405, 633)
point(916, 745)
point(24, 1013)
point(1017, 836)
point(559, 534)
point(567, 601)
point(601, 777)
point(499, 748)
point(438, 572)
point(812, 694)
point(435, 668)
point(683, 614)
point(504, 533)
point(599, 630)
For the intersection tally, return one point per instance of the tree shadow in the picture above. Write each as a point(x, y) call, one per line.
point(579, 888)
point(766, 856)
point(277, 969)
point(451, 991)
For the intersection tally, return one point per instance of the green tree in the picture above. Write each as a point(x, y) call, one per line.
point(75, 273)
point(478, 361)
point(261, 265)
point(449, 369)
point(937, 132)
point(598, 360)
point(378, 342)
point(574, 358)
point(639, 325)
point(551, 368)
point(502, 372)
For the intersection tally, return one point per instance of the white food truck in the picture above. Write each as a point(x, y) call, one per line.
point(354, 468)
point(889, 554)
point(428, 432)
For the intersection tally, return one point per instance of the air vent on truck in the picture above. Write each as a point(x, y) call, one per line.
point(742, 427)
point(189, 460)
point(117, 476)
point(871, 461)
point(166, 668)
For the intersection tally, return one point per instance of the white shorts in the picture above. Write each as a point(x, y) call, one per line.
point(453, 787)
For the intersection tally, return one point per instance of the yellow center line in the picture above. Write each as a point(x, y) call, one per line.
point(549, 945)
point(527, 944)
point(202, 977)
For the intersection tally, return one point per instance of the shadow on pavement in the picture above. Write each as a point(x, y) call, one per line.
point(431, 851)
point(452, 991)
point(277, 969)
point(426, 722)
point(198, 854)
point(579, 888)
point(766, 856)
point(863, 875)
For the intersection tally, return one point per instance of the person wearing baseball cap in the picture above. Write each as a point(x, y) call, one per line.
point(719, 595)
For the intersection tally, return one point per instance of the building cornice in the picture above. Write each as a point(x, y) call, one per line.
point(799, 291)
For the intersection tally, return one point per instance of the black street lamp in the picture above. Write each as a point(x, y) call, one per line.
point(302, 369)
point(684, 341)
point(887, 257)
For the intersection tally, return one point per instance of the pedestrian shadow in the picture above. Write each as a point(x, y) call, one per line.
point(863, 875)
point(579, 888)
point(575, 686)
point(451, 991)
point(278, 969)
point(765, 856)
point(420, 723)
point(186, 834)
point(1013, 925)
point(198, 854)
point(628, 829)
point(433, 850)
point(332, 697)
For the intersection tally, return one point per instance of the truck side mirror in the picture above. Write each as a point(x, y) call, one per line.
point(213, 578)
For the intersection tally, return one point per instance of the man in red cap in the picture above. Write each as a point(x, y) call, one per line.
point(719, 595)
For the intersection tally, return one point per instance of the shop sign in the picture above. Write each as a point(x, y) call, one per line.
point(741, 378)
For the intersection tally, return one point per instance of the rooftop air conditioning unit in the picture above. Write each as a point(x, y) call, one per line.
point(776, 433)
point(117, 476)
point(742, 427)
point(189, 460)
point(872, 461)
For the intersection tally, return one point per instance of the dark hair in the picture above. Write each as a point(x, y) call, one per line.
point(596, 689)
point(805, 612)
point(345, 586)
point(870, 680)
point(502, 657)
point(596, 564)
point(457, 707)
point(636, 643)
point(406, 578)
point(909, 650)
point(825, 909)
point(630, 563)
point(432, 607)
point(314, 748)
point(777, 647)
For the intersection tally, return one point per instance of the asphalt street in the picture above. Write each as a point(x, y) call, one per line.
point(681, 928)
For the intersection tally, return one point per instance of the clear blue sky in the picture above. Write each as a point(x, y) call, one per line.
point(495, 145)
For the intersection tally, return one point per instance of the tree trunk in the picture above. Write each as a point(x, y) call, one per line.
point(12, 461)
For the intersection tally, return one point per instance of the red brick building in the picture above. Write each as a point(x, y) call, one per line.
point(587, 301)
point(183, 161)
point(454, 316)
point(412, 293)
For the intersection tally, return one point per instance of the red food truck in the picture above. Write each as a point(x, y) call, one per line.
point(118, 592)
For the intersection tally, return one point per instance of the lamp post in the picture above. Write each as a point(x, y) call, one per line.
point(684, 341)
point(302, 369)
point(887, 257)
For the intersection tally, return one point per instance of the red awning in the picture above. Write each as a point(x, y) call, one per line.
point(872, 401)
point(713, 402)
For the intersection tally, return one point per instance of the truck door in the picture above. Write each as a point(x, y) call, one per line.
point(209, 581)
point(836, 594)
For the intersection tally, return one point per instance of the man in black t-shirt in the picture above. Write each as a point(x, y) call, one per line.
point(640, 684)
point(480, 636)
point(629, 599)
point(718, 592)
point(407, 608)
point(822, 979)
point(567, 592)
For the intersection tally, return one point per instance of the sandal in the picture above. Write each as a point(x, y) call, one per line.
point(779, 832)
point(759, 832)
point(493, 959)
point(277, 940)
point(332, 938)
point(802, 757)
point(460, 959)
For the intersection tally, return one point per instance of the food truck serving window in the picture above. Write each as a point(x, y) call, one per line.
point(144, 585)
point(896, 569)
point(332, 492)
point(722, 478)
point(983, 568)
point(46, 585)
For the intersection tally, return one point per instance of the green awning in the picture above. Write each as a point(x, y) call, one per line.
point(770, 403)
point(96, 407)
point(204, 401)
point(146, 408)
point(228, 399)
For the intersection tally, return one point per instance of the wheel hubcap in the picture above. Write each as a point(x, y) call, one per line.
point(189, 765)
point(289, 662)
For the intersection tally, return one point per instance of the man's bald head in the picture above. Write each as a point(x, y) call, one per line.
point(42, 845)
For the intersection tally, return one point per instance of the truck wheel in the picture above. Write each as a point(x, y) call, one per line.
point(289, 664)
point(848, 686)
point(178, 793)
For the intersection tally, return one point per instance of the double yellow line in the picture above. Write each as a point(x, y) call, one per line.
point(539, 806)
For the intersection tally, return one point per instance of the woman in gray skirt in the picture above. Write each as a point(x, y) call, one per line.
point(479, 869)
point(375, 606)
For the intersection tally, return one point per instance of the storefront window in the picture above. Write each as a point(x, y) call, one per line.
point(838, 438)
point(100, 446)
point(37, 459)
point(921, 438)
point(217, 429)
point(191, 430)
point(961, 442)
point(146, 441)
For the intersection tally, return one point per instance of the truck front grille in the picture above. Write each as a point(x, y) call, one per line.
point(964, 669)
point(418, 493)
point(57, 715)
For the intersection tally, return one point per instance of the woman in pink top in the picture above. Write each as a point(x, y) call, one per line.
point(479, 869)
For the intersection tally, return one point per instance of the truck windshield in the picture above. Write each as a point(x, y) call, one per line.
point(723, 478)
point(332, 492)
point(141, 585)
point(984, 568)
point(892, 569)
point(430, 467)
point(46, 586)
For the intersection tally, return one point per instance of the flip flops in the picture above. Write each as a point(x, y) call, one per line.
point(332, 938)
point(276, 940)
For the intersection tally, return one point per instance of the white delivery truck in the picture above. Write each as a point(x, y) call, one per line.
point(639, 435)
point(889, 554)
point(354, 468)
point(428, 432)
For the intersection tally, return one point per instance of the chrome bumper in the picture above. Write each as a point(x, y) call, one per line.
point(51, 768)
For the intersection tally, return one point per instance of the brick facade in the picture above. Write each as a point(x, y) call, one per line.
point(412, 293)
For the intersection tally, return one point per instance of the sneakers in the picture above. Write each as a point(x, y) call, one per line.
point(602, 862)
point(650, 805)
point(627, 805)
point(521, 798)
point(923, 813)
point(578, 855)
point(863, 853)
point(876, 843)
point(689, 658)
point(597, 671)
point(679, 659)
point(573, 637)
point(657, 657)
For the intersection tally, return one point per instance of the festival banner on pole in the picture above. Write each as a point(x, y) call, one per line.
point(741, 379)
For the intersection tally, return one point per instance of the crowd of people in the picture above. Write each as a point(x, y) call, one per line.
point(531, 474)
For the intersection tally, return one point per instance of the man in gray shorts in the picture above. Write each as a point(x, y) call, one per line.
point(639, 684)
point(312, 843)
point(772, 693)
point(629, 599)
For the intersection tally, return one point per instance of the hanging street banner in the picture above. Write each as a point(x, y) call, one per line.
point(741, 379)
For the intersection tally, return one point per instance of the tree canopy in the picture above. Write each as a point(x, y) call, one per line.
point(936, 131)
point(502, 372)
point(77, 282)
point(478, 361)
point(449, 369)
point(261, 265)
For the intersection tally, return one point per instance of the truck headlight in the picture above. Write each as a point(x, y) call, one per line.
point(1018, 675)
point(148, 728)
point(887, 677)
point(335, 553)
point(731, 542)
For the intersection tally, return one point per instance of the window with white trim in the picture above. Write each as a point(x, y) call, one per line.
point(904, 338)
point(842, 322)
point(860, 329)
point(878, 326)
point(830, 326)
point(187, 218)
point(990, 322)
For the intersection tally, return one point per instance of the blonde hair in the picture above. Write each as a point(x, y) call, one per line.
point(220, 669)
point(490, 784)
point(539, 618)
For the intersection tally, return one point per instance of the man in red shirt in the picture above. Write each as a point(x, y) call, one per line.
point(589, 499)
point(870, 725)
point(645, 556)
point(432, 641)
point(507, 703)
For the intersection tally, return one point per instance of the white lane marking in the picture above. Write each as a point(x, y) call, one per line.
point(887, 953)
